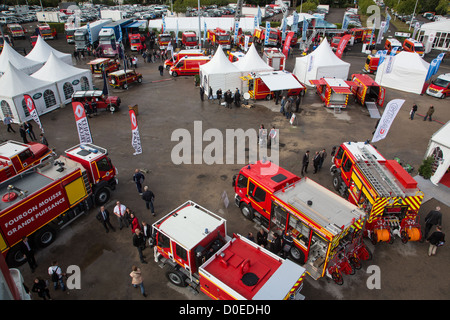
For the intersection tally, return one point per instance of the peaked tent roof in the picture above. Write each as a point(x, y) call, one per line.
point(324, 55)
point(252, 62)
point(55, 70)
point(9, 55)
point(41, 52)
point(15, 82)
point(219, 64)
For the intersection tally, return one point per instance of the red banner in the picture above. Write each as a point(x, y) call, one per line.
point(32, 110)
point(287, 43)
point(342, 44)
point(84, 133)
point(135, 138)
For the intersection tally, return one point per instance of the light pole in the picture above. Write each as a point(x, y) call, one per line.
point(412, 17)
point(199, 27)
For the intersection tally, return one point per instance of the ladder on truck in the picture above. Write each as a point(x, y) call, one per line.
point(383, 182)
point(373, 110)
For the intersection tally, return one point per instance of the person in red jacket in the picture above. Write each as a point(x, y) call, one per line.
point(134, 223)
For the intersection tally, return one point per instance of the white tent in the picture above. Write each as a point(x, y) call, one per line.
point(219, 72)
point(406, 72)
point(67, 78)
point(14, 84)
point(252, 62)
point(320, 63)
point(17, 60)
point(438, 31)
point(439, 148)
point(41, 52)
point(192, 23)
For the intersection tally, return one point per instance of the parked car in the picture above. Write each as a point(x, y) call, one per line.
point(108, 103)
point(121, 79)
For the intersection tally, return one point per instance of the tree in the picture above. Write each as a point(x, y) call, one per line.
point(442, 7)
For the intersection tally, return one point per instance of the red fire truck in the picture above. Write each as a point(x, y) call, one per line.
point(241, 41)
point(262, 85)
point(219, 36)
point(189, 40)
point(15, 30)
point(275, 37)
point(382, 188)
point(193, 243)
point(367, 90)
point(371, 65)
point(16, 157)
point(163, 40)
point(45, 198)
point(325, 229)
point(46, 32)
point(333, 92)
point(136, 41)
point(275, 58)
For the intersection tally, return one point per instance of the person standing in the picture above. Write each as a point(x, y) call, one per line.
point(23, 134)
point(297, 103)
point(40, 286)
point(283, 103)
point(433, 218)
point(119, 211)
point(137, 279)
point(57, 276)
point(161, 69)
point(8, 121)
point(429, 114)
point(219, 95)
point(210, 94)
point(316, 162)
point(202, 94)
point(261, 238)
point(287, 243)
point(413, 111)
point(146, 230)
point(28, 252)
point(139, 243)
point(237, 98)
point(305, 162)
point(275, 246)
point(43, 140)
point(138, 178)
point(103, 217)
point(134, 222)
point(148, 196)
point(436, 239)
point(29, 129)
point(273, 136)
point(323, 155)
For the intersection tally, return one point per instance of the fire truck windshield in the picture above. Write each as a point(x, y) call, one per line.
point(273, 35)
point(441, 82)
point(16, 29)
point(224, 38)
point(135, 41)
point(191, 39)
point(106, 39)
point(165, 39)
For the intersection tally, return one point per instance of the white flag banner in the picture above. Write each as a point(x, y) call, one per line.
point(389, 114)
point(135, 138)
point(32, 110)
point(84, 133)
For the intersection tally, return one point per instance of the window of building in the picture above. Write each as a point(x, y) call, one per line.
point(49, 98)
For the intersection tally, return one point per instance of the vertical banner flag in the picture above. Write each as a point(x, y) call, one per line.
point(204, 32)
point(89, 32)
point(283, 30)
point(388, 18)
point(266, 35)
point(381, 32)
point(176, 34)
point(383, 54)
point(342, 44)
point(247, 39)
point(236, 29)
point(259, 15)
point(434, 66)
point(84, 133)
point(389, 64)
point(345, 22)
point(287, 43)
point(120, 35)
point(389, 114)
point(416, 28)
point(32, 110)
point(255, 22)
point(163, 23)
point(305, 28)
point(394, 51)
point(295, 19)
point(135, 138)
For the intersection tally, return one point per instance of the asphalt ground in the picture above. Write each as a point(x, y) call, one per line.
point(166, 104)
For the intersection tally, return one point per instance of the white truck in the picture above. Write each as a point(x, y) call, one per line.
point(81, 35)
point(49, 16)
point(114, 15)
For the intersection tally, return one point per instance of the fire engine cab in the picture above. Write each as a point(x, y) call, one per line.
point(45, 31)
point(189, 40)
point(193, 242)
point(16, 157)
point(15, 30)
point(334, 92)
point(219, 37)
point(440, 87)
point(325, 229)
point(259, 36)
point(382, 188)
point(367, 91)
point(371, 65)
point(263, 85)
point(163, 40)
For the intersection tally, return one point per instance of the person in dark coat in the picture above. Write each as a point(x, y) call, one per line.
point(237, 98)
point(261, 238)
point(202, 93)
point(436, 239)
point(23, 134)
point(316, 161)
point(27, 249)
point(433, 218)
point(41, 288)
point(148, 197)
point(275, 246)
point(305, 162)
point(219, 95)
point(29, 129)
point(287, 243)
point(138, 178)
point(139, 243)
point(103, 217)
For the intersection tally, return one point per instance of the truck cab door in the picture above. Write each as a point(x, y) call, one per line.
point(102, 170)
point(240, 185)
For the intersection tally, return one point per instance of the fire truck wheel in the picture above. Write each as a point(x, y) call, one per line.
point(45, 236)
point(101, 196)
point(140, 80)
point(15, 257)
point(269, 97)
point(297, 255)
point(247, 211)
point(174, 74)
point(176, 277)
point(125, 86)
point(336, 181)
point(112, 108)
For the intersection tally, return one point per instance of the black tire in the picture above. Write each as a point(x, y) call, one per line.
point(269, 97)
point(176, 277)
point(337, 181)
point(101, 196)
point(44, 236)
point(125, 86)
point(404, 237)
point(113, 108)
point(297, 255)
point(15, 257)
point(139, 80)
point(174, 74)
point(247, 211)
